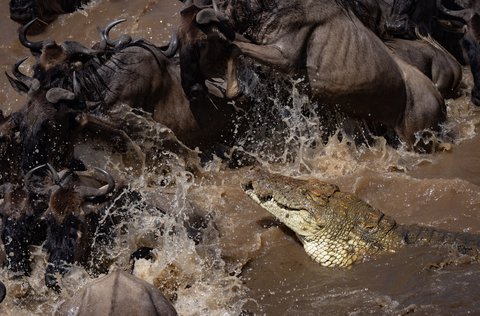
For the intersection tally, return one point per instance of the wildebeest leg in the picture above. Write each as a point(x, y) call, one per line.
point(269, 55)
point(98, 125)
point(17, 238)
point(424, 112)
point(65, 244)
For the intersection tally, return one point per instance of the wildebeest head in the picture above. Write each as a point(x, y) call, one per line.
point(71, 218)
point(204, 36)
point(46, 123)
point(54, 98)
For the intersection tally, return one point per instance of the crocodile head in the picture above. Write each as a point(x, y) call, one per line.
point(336, 228)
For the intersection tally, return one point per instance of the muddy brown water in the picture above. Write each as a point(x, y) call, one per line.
point(240, 264)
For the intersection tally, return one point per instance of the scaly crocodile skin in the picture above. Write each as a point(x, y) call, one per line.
point(337, 228)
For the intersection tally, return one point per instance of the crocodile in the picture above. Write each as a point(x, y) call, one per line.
point(338, 228)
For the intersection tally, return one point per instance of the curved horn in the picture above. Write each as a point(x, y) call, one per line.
point(19, 86)
point(207, 16)
point(124, 39)
point(172, 48)
point(18, 74)
point(465, 15)
point(31, 172)
point(214, 3)
point(32, 83)
point(22, 36)
point(105, 32)
point(23, 83)
point(53, 172)
point(98, 174)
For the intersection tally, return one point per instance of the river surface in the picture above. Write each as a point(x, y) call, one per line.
point(241, 264)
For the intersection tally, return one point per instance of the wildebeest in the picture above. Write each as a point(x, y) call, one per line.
point(60, 209)
point(198, 20)
point(343, 61)
point(44, 125)
point(55, 111)
point(24, 11)
point(72, 81)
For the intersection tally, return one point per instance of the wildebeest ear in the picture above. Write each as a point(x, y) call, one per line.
point(19, 86)
point(56, 94)
point(207, 16)
point(475, 25)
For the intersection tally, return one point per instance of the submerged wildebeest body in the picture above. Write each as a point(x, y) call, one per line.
point(344, 62)
point(24, 11)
